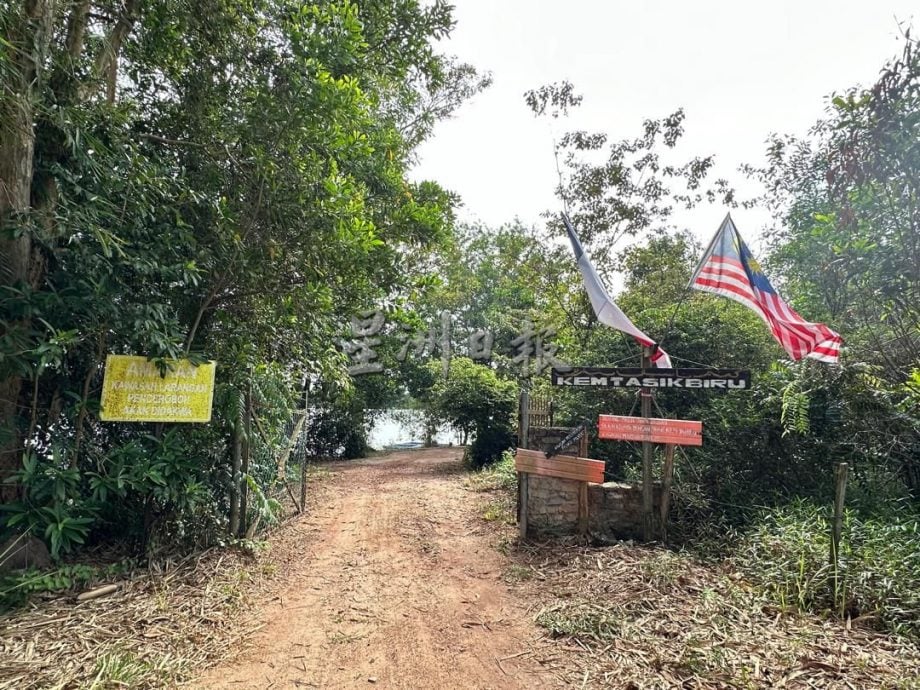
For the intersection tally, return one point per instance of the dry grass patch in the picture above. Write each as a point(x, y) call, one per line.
point(160, 628)
point(153, 632)
point(648, 618)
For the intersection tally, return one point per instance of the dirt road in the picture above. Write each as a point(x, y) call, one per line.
point(399, 586)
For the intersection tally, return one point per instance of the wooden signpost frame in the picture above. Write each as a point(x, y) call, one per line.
point(529, 462)
point(684, 432)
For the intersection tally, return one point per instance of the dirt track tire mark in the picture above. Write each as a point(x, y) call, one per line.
point(398, 586)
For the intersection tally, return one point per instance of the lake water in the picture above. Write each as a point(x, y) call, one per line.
point(405, 426)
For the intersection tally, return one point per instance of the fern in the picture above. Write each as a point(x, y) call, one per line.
point(795, 415)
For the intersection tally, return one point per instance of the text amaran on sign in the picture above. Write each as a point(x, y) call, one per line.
point(134, 391)
point(675, 431)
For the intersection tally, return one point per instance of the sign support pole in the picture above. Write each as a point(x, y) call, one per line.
point(647, 450)
point(583, 490)
point(523, 483)
point(235, 475)
point(667, 475)
point(303, 462)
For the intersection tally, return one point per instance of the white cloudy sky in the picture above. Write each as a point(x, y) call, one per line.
point(741, 71)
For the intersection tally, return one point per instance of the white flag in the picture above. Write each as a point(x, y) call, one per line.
point(607, 311)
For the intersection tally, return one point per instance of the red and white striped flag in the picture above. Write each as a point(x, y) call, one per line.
point(729, 269)
point(607, 311)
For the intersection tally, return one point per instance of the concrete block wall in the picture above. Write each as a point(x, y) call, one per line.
point(552, 503)
point(614, 508)
point(552, 506)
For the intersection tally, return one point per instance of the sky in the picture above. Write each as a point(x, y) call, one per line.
point(740, 70)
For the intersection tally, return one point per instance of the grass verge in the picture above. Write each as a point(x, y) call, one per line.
point(786, 555)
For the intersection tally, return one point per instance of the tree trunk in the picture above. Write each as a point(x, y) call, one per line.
point(29, 35)
point(28, 69)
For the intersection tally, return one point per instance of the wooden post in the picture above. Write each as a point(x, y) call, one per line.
point(234, 526)
point(583, 508)
point(523, 486)
point(524, 423)
point(523, 438)
point(246, 452)
point(296, 433)
point(840, 480)
point(303, 462)
point(648, 532)
point(583, 490)
point(667, 474)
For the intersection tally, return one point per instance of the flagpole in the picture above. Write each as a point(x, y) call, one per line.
point(699, 265)
point(647, 451)
point(667, 330)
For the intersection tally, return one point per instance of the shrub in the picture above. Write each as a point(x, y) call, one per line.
point(499, 476)
point(786, 555)
point(475, 399)
point(491, 441)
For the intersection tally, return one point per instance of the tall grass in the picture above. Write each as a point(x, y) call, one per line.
point(499, 476)
point(786, 555)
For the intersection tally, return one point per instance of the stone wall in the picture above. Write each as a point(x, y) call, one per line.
point(614, 508)
point(552, 503)
point(552, 506)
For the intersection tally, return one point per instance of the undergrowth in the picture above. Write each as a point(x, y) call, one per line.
point(786, 554)
point(16, 587)
point(582, 621)
point(499, 476)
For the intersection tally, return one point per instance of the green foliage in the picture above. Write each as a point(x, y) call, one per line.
point(16, 588)
point(499, 476)
point(581, 621)
point(636, 187)
point(794, 417)
point(847, 196)
point(232, 187)
point(267, 510)
point(48, 508)
point(475, 399)
point(337, 425)
point(491, 441)
point(785, 553)
point(124, 669)
point(847, 251)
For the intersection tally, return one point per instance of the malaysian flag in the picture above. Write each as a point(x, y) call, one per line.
point(728, 269)
point(606, 309)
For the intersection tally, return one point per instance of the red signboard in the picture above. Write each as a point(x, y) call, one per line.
point(562, 466)
point(677, 431)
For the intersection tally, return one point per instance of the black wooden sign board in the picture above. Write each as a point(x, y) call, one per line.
point(573, 436)
point(634, 377)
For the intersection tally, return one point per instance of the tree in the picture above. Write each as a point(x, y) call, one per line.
point(476, 400)
point(636, 187)
point(849, 202)
point(848, 197)
point(202, 179)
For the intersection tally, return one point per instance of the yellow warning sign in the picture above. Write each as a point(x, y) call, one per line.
point(134, 391)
